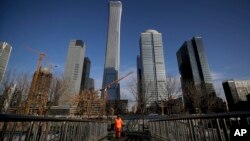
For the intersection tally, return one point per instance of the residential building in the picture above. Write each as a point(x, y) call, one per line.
point(112, 61)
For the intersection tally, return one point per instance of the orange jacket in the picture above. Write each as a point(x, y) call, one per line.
point(118, 123)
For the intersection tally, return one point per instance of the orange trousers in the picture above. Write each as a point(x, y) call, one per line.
point(118, 132)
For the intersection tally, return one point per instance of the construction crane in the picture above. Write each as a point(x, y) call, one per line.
point(115, 81)
point(33, 87)
point(40, 58)
point(104, 90)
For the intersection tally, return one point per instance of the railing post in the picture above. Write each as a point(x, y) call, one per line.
point(3, 131)
point(218, 129)
point(191, 129)
point(27, 138)
point(225, 129)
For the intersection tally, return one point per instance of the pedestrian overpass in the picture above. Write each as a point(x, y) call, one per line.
point(207, 127)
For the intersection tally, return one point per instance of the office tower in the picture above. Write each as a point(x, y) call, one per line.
point(112, 61)
point(236, 93)
point(194, 70)
point(5, 50)
point(140, 106)
point(74, 65)
point(151, 65)
point(91, 84)
point(39, 92)
point(85, 73)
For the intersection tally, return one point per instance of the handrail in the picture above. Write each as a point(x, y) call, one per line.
point(206, 116)
point(9, 117)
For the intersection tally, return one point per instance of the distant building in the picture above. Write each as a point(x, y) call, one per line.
point(5, 51)
point(91, 84)
point(39, 92)
point(117, 107)
point(74, 66)
point(85, 73)
point(5, 98)
point(194, 70)
point(173, 106)
point(151, 68)
point(16, 99)
point(112, 61)
point(236, 93)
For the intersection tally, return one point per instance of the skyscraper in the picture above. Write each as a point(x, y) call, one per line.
point(5, 50)
point(74, 65)
point(112, 61)
point(194, 69)
point(91, 84)
point(85, 73)
point(151, 67)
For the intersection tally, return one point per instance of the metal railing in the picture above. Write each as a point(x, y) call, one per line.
point(210, 127)
point(35, 128)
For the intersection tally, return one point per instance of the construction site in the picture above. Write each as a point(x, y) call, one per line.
point(87, 103)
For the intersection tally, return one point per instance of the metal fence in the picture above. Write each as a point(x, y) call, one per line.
point(34, 128)
point(212, 127)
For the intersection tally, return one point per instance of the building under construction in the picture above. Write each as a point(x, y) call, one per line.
point(39, 92)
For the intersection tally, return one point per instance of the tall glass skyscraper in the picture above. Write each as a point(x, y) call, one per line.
point(85, 73)
point(5, 50)
point(194, 69)
point(151, 67)
point(112, 62)
point(74, 65)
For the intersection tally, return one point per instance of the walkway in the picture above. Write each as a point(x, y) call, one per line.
point(133, 136)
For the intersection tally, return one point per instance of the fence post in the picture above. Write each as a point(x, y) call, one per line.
point(218, 129)
point(191, 129)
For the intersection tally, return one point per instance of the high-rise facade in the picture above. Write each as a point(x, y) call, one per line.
point(236, 93)
point(151, 67)
point(194, 68)
point(85, 73)
point(74, 66)
point(112, 61)
point(5, 51)
point(91, 84)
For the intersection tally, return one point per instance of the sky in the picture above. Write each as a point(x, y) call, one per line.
point(49, 25)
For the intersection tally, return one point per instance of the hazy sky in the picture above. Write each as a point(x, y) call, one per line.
point(49, 25)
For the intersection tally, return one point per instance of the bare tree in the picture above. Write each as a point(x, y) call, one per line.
point(23, 84)
point(88, 102)
point(7, 85)
point(142, 93)
point(172, 91)
point(192, 95)
point(58, 91)
point(199, 100)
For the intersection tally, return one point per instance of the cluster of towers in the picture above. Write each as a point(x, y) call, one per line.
point(151, 72)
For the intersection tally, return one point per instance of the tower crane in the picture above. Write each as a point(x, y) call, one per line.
point(40, 58)
point(104, 90)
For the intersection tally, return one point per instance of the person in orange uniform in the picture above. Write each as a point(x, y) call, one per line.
point(118, 126)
